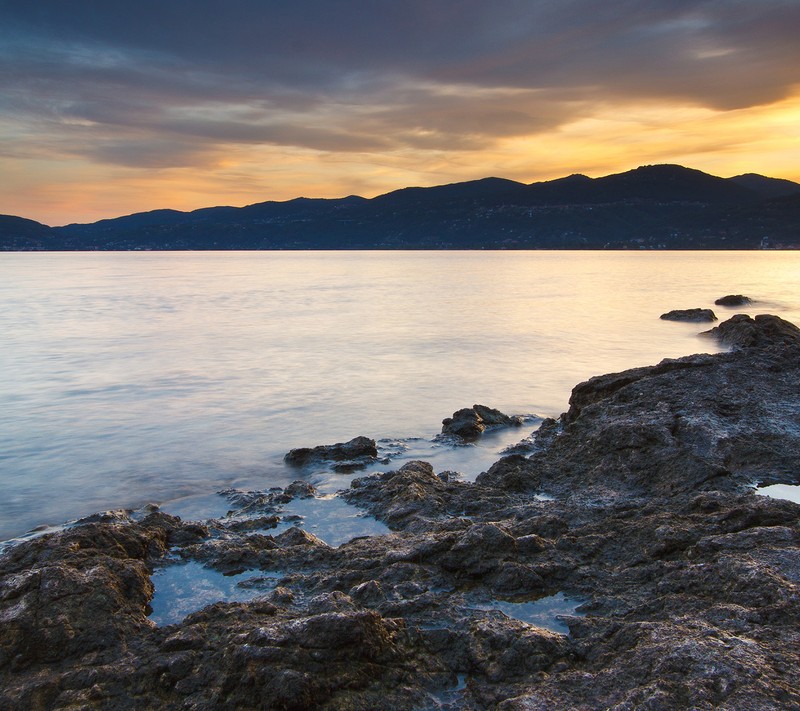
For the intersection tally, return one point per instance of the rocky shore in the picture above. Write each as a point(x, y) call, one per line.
point(635, 509)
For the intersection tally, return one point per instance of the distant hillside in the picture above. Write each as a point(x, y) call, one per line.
point(769, 187)
point(19, 233)
point(657, 207)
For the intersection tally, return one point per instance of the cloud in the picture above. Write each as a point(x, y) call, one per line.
point(155, 85)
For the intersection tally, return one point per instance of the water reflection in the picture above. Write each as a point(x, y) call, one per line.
point(137, 377)
point(183, 588)
point(543, 612)
point(789, 492)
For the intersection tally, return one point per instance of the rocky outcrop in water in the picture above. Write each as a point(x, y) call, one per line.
point(683, 583)
point(733, 300)
point(690, 315)
point(763, 331)
point(471, 422)
point(355, 454)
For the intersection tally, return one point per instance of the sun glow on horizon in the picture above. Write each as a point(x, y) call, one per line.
point(614, 138)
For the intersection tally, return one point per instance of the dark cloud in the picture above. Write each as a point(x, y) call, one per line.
point(369, 75)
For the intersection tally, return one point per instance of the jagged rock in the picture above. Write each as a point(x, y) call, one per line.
point(685, 583)
point(511, 473)
point(355, 454)
point(470, 423)
point(690, 315)
point(479, 550)
point(298, 537)
point(703, 422)
point(300, 490)
point(413, 492)
point(733, 300)
point(742, 331)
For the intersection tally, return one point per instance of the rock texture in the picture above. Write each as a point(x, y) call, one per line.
point(355, 454)
point(686, 582)
point(763, 331)
point(471, 422)
point(690, 315)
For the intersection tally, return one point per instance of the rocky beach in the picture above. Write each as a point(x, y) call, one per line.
point(633, 518)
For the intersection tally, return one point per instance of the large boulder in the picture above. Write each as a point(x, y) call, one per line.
point(742, 331)
point(698, 423)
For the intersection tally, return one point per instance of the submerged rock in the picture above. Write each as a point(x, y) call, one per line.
point(470, 423)
point(733, 300)
point(690, 315)
point(355, 454)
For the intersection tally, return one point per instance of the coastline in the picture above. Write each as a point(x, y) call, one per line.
point(684, 582)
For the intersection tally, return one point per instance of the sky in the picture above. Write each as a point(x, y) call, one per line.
point(110, 107)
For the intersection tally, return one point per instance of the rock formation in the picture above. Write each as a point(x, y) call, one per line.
point(690, 315)
point(684, 583)
point(733, 300)
point(355, 454)
point(471, 422)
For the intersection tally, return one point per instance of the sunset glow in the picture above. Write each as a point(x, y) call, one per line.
point(111, 109)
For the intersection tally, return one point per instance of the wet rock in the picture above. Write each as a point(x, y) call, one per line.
point(742, 331)
point(298, 537)
point(300, 490)
point(690, 315)
point(253, 506)
point(470, 423)
point(258, 523)
point(733, 300)
point(282, 596)
point(412, 494)
point(355, 454)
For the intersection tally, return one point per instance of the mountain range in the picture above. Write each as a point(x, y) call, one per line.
point(655, 206)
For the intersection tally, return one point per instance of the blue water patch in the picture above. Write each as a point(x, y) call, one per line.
point(183, 588)
point(451, 695)
point(789, 492)
point(545, 612)
point(330, 518)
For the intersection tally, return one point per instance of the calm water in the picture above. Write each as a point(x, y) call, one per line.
point(138, 377)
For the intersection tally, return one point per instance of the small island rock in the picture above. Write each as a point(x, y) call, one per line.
point(742, 331)
point(356, 453)
point(733, 300)
point(690, 315)
point(470, 422)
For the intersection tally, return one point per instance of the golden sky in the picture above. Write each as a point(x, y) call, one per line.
point(112, 108)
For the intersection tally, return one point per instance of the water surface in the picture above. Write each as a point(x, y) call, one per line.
point(137, 377)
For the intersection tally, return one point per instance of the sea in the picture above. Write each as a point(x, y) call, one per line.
point(131, 378)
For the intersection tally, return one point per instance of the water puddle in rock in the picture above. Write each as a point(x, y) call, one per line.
point(445, 697)
point(330, 518)
point(198, 507)
point(183, 588)
point(790, 492)
point(544, 612)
